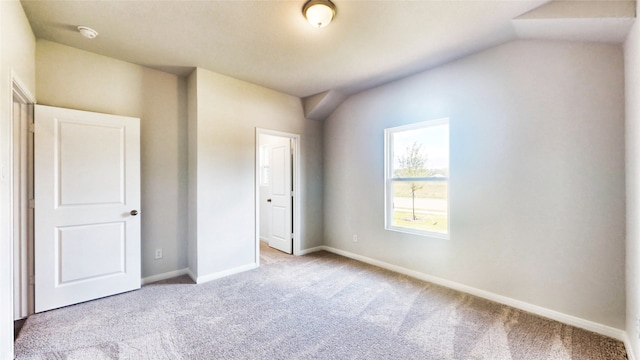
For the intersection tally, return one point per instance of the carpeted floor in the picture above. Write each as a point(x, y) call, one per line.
point(318, 306)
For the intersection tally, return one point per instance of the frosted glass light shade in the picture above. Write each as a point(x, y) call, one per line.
point(319, 13)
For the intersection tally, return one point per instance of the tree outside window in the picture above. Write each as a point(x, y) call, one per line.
point(417, 176)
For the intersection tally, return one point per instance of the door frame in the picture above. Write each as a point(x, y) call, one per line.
point(8, 219)
point(296, 188)
point(22, 193)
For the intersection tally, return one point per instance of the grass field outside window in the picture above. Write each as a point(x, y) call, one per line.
point(417, 178)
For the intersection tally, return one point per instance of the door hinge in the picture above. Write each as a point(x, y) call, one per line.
point(32, 280)
point(292, 236)
point(32, 203)
point(32, 128)
point(292, 193)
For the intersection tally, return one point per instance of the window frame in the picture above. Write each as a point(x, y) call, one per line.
point(389, 179)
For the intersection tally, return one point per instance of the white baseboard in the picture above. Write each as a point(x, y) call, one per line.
point(627, 346)
point(164, 276)
point(312, 250)
point(538, 310)
point(221, 274)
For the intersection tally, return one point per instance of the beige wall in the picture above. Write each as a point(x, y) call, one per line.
point(222, 162)
point(17, 52)
point(632, 86)
point(76, 79)
point(536, 190)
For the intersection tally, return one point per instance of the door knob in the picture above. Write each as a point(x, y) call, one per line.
point(268, 200)
point(134, 212)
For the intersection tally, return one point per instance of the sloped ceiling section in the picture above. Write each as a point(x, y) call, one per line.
point(598, 21)
point(269, 43)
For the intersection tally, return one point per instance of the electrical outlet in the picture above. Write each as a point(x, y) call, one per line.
point(355, 238)
point(158, 253)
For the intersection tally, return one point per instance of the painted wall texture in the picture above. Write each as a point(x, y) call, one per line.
point(632, 128)
point(222, 172)
point(537, 195)
point(76, 79)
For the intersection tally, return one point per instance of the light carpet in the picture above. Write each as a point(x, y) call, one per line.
point(318, 306)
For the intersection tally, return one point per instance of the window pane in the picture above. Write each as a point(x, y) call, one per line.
point(417, 178)
point(420, 205)
point(421, 152)
point(264, 165)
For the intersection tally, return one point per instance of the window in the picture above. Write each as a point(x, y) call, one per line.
point(264, 165)
point(417, 178)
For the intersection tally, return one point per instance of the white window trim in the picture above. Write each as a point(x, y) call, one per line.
point(388, 178)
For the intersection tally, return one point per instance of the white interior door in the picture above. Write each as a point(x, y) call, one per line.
point(281, 236)
point(87, 195)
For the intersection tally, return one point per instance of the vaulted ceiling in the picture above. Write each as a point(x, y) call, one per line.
point(269, 42)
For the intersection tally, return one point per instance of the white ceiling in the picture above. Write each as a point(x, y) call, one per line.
point(269, 43)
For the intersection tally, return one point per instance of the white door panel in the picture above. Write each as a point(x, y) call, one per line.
point(281, 200)
point(87, 182)
point(104, 255)
point(279, 221)
point(81, 147)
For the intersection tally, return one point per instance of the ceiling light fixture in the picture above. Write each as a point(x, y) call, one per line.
point(87, 32)
point(319, 13)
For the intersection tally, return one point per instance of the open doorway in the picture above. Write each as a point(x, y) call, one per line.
point(277, 183)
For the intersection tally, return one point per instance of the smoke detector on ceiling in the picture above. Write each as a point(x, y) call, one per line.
point(87, 32)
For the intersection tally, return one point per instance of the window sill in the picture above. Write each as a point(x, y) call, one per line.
point(429, 234)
